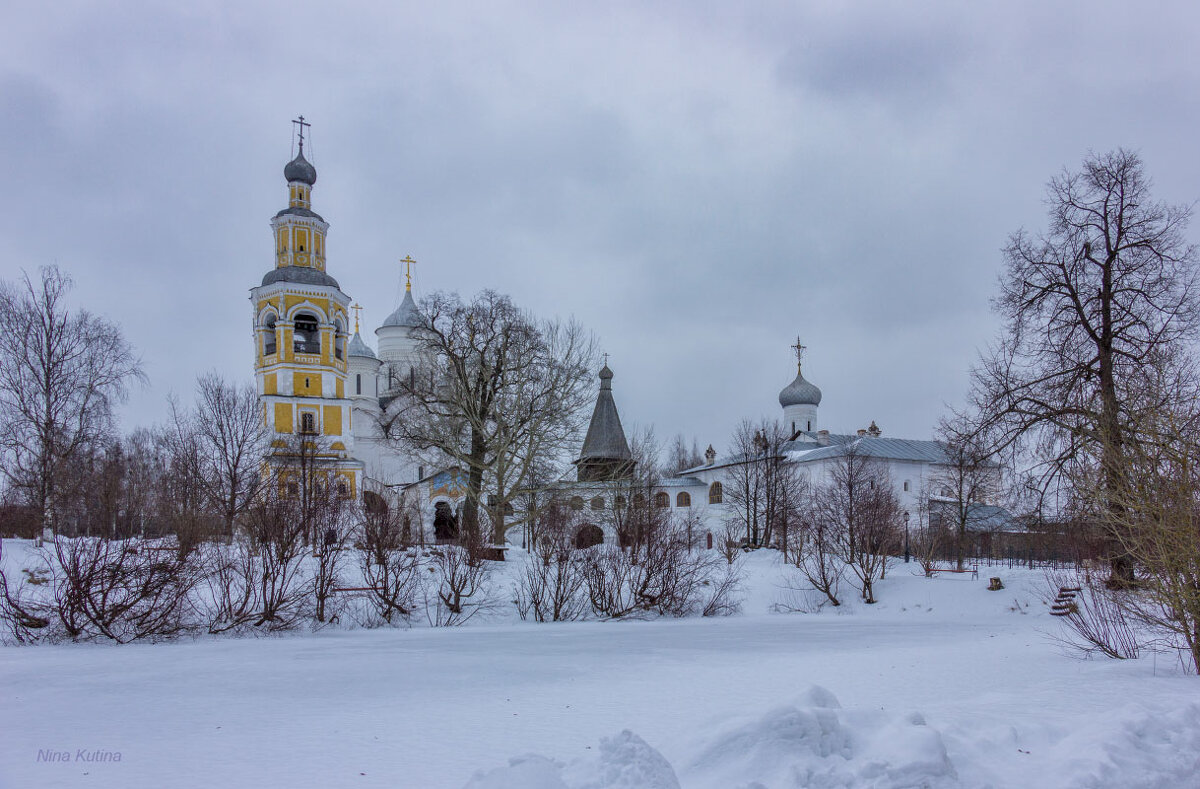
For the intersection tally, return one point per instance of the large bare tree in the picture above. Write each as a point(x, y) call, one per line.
point(762, 489)
point(229, 434)
point(61, 371)
point(1105, 294)
point(496, 392)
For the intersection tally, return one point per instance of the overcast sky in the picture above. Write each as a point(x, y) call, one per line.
point(698, 183)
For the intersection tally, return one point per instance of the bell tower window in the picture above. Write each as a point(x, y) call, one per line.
point(269, 336)
point(307, 337)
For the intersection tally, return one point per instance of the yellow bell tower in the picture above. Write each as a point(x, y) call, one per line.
point(300, 336)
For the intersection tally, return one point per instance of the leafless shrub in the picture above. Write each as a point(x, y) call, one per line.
point(550, 587)
point(459, 586)
point(819, 559)
point(661, 578)
point(122, 590)
point(391, 569)
point(258, 580)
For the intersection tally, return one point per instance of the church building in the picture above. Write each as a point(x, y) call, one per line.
point(328, 399)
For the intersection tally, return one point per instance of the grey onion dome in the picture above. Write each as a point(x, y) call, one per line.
point(800, 392)
point(358, 347)
point(406, 314)
point(300, 169)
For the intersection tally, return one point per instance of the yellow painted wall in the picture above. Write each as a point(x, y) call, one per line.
point(333, 420)
point(269, 384)
point(339, 388)
point(283, 418)
point(313, 389)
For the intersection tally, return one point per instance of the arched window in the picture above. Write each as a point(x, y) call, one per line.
point(306, 336)
point(683, 500)
point(358, 383)
point(577, 502)
point(598, 503)
point(343, 490)
point(639, 501)
point(947, 493)
point(269, 335)
point(662, 499)
point(716, 494)
point(339, 340)
point(619, 503)
point(308, 422)
point(905, 486)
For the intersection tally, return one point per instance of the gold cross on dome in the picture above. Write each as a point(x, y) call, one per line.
point(357, 309)
point(408, 262)
point(606, 360)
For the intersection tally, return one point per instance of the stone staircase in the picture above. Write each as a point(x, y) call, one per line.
point(1064, 604)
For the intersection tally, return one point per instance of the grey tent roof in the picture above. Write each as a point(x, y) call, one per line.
point(800, 392)
point(360, 348)
point(406, 314)
point(605, 437)
point(305, 275)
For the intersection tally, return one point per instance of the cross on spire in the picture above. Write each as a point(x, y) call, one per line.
point(357, 309)
point(800, 349)
point(407, 261)
point(606, 360)
point(301, 123)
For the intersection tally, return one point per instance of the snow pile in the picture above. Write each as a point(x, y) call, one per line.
point(623, 762)
point(1148, 750)
point(814, 742)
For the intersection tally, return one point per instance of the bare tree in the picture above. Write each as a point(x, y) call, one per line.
point(1092, 306)
point(229, 436)
point(61, 371)
point(820, 557)
point(763, 490)
point(495, 392)
point(1159, 507)
point(391, 567)
point(680, 456)
point(858, 510)
point(958, 489)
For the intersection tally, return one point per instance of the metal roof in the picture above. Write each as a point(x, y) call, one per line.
point(879, 447)
point(306, 275)
point(605, 437)
point(406, 314)
point(360, 348)
point(300, 169)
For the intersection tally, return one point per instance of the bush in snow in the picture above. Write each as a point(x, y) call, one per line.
point(662, 575)
point(122, 590)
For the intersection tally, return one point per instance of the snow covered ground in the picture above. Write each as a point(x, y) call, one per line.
point(941, 684)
